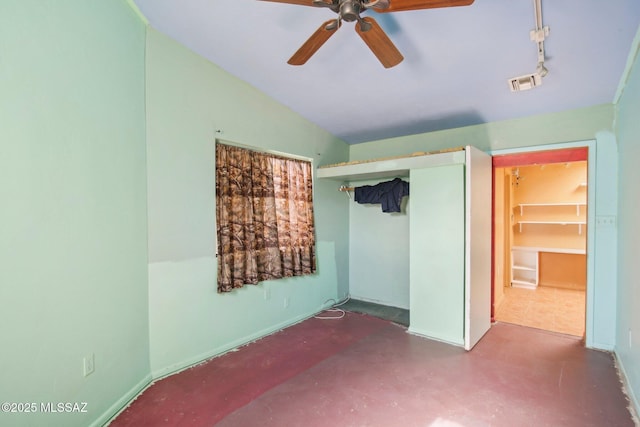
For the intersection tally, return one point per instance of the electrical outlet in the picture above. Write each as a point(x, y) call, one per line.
point(88, 365)
point(286, 302)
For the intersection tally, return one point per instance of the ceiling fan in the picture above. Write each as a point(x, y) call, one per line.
point(366, 27)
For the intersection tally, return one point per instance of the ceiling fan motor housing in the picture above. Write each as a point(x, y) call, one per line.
point(350, 10)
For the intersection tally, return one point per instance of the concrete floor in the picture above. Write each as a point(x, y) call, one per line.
point(365, 371)
point(396, 315)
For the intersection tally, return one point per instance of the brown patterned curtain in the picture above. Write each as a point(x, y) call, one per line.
point(264, 216)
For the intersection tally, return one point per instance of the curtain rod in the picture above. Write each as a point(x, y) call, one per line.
point(263, 150)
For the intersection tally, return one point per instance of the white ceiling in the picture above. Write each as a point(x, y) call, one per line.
point(457, 60)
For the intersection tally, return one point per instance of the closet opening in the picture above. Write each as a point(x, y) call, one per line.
point(540, 240)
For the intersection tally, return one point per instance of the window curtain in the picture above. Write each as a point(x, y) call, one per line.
point(264, 217)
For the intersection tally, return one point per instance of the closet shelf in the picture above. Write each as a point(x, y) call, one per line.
point(578, 223)
point(525, 283)
point(577, 205)
point(523, 267)
point(391, 167)
point(548, 249)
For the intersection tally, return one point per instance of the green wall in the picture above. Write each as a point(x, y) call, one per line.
point(190, 103)
point(628, 326)
point(589, 126)
point(73, 254)
point(108, 227)
point(568, 126)
point(384, 283)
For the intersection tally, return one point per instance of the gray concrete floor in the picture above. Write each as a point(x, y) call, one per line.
point(360, 370)
point(394, 314)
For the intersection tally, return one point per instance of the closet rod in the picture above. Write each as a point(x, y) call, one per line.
point(343, 188)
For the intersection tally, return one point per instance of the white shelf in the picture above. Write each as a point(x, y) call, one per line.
point(554, 204)
point(388, 168)
point(578, 223)
point(576, 204)
point(552, 250)
point(524, 268)
point(552, 222)
point(523, 284)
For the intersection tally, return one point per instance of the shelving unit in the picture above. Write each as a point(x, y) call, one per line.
point(524, 268)
point(551, 205)
point(548, 212)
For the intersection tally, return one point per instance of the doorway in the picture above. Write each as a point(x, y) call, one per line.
point(540, 267)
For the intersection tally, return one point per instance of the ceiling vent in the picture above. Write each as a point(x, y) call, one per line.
point(525, 82)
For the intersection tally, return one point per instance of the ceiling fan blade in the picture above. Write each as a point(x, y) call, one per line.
point(379, 43)
point(314, 43)
point(401, 5)
point(299, 2)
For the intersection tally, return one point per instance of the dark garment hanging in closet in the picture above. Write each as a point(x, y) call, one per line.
point(389, 194)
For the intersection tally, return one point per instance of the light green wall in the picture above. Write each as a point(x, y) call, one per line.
point(188, 101)
point(73, 223)
point(371, 232)
point(73, 276)
point(588, 126)
point(568, 126)
point(628, 132)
